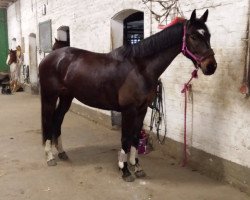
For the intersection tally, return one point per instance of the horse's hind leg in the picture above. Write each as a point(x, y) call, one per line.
point(62, 108)
point(48, 109)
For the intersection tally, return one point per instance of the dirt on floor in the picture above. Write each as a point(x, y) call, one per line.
point(92, 172)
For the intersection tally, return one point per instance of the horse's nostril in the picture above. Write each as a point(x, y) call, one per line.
point(211, 69)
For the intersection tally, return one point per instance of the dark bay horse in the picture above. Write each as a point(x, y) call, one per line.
point(12, 61)
point(12, 57)
point(123, 80)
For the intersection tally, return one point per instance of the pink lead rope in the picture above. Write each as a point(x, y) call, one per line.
point(185, 90)
point(186, 52)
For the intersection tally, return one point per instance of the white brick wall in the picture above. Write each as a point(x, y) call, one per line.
point(220, 121)
point(14, 27)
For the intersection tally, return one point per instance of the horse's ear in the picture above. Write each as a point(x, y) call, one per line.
point(56, 40)
point(204, 16)
point(193, 16)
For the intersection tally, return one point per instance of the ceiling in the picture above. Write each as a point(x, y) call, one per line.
point(6, 3)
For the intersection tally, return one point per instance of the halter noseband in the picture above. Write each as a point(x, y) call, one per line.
point(186, 51)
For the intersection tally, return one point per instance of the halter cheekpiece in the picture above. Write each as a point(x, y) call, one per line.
point(187, 52)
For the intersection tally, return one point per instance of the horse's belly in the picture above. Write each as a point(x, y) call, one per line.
point(98, 102)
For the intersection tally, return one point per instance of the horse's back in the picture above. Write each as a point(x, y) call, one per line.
point(76, 70)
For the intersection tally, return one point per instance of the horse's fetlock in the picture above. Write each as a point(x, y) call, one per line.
point(122, 158)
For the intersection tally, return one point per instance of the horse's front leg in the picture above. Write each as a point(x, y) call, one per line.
point(128, 121)
point(134, 161)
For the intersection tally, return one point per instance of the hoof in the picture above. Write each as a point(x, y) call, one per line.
point(129, 178)
point(140, 174)
point(63, 156)
point(51, 162)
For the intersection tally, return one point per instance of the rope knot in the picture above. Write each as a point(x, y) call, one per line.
point(195, 73)
point(185, 88)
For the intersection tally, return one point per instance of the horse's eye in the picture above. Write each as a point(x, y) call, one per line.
point(193, 37)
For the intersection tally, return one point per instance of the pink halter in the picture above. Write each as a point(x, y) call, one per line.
point(186, 51)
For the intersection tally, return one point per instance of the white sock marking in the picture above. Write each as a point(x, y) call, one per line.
point(121, 159)
point(48, 150)
point(133, 155)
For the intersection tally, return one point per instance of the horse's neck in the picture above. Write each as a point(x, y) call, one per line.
point(157, 64)
point(159, 50)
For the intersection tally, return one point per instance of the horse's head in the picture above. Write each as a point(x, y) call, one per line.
point(12, 57)
point(60, 44)
point(196, 44)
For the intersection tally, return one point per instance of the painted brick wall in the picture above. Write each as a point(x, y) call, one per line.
point(218, 117)
point(13, 25)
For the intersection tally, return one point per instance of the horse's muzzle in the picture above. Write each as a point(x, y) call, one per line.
point(208, 65)
point(209, 69)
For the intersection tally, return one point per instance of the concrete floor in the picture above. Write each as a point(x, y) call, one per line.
point(92, 171)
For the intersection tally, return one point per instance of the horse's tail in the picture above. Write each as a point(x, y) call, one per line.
point(48, 106)
point(43, 117)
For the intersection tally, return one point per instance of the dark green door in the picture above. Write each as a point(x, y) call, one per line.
point(3, 40)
